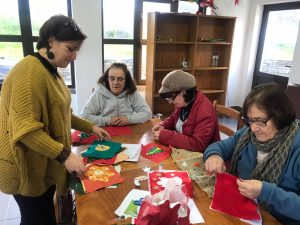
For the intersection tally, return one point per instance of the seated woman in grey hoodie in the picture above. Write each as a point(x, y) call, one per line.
point(116, 101)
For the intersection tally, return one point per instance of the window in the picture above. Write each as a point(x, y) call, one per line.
point(20, 22)
point(277, 42)
point(125, 32)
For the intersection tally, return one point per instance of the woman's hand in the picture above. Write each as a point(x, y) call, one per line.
point(249, 188)
point(119, 121)
point(157, 128)
point(156, 135)
point(101, 133)
point(74, 164)
point(215, 164)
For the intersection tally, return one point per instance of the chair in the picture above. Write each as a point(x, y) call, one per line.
point(293, 92)
point(228, 113)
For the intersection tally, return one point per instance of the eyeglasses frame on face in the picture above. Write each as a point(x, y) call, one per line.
point(173, 97)
point(259, 123)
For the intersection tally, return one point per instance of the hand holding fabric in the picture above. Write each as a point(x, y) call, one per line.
point(215, 164)
point(74, 164)
point(101, 133)
point(249, 188)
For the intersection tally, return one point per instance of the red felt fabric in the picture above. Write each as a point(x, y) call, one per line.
point(227, 199)
point(83, 141)
point(158, 157)
point(110, 161)
point(92, 185)
point(155, 177)
point(118, 131)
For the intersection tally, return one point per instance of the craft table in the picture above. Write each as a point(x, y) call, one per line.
point(98, 207)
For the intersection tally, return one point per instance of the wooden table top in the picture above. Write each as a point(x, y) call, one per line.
point(98, 207)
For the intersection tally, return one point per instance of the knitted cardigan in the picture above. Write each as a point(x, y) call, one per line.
point(34, 106)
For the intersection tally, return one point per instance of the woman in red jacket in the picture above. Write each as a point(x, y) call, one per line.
point(194, 124)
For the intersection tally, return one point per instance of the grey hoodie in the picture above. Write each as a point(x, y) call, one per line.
point(103, 104)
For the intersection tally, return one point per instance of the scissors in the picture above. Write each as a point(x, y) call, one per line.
point(138, 202)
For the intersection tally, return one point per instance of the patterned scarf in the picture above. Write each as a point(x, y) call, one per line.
point(270, 169)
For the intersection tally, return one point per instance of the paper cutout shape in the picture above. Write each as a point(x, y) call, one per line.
point(102, 148)
point(133, 150)
point(103, 153)
point(122, 156)
point(83, 138)
point(97, 177)
point(227, 199)
point(154, 150)
point(159, 179)
point(132, 209)
point(159, 156)
point(118, 131)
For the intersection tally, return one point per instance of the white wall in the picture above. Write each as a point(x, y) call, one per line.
point(88, 65)
point(236, 79)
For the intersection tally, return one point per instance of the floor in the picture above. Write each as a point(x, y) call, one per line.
point(9, 210)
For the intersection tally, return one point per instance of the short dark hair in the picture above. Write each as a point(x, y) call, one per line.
point(129, 81)
point(190, 94)
point(272, 99)
point(62, 28)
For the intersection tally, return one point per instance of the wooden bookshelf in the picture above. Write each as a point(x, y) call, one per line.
point(173, 37)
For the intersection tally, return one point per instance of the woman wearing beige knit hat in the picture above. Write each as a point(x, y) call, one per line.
point(193, 125)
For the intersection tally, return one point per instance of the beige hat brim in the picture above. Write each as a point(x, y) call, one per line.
point(164, 90)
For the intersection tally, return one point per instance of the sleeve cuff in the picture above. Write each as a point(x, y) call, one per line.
point(63, 155)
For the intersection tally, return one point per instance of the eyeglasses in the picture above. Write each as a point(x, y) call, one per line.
point(257, 122)
point(172, 96)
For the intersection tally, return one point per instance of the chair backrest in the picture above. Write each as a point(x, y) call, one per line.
point(293, 92)
point(228, 113)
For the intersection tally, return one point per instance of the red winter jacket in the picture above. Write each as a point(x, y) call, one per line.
point(199, 129)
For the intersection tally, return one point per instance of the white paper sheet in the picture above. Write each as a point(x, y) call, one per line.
point(195, 215)
point(133, 150)
point(134, 194)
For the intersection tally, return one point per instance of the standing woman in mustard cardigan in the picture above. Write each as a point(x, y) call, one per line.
point(36, 122)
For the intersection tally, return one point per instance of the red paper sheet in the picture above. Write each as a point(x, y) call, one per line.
point(227, 199)
point(76, 139)
point(97, 177)
point(157, 157)
point(157, 179)
point(118, 131)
